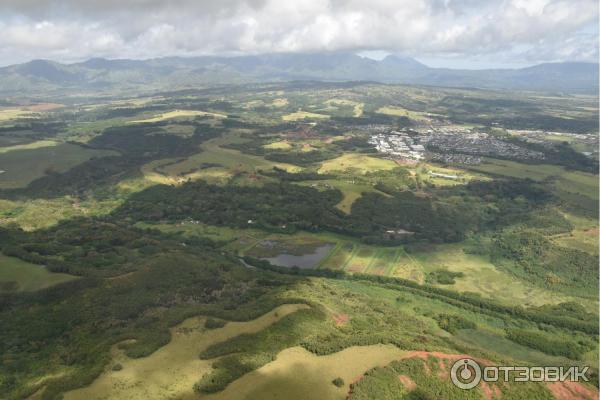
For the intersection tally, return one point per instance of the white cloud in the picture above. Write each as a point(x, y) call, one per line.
point(71, 30)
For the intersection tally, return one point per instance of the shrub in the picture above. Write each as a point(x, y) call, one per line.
point(339, 382)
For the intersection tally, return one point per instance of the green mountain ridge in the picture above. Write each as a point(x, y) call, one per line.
point(97, 74)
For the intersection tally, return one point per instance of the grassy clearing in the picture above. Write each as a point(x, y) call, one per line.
point(20, 167)
point(280, 102)
point(172, 370)
point(403, 112)
point(359, 162)
point(463, 176)
point(584, 235)
point(35, 214)
point(17, 276)
point(567, 181)
point(481, 276)
point(351, 191)
point(178, 114)
point(505, 348)
point(29, 146)
point(280, 145)
point(299, 374)
point(300, 115)
point(357, 110)
point(354, 257)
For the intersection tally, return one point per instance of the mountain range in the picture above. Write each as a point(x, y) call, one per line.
point(99, 74)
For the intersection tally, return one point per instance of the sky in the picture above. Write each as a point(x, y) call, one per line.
point(441, 33)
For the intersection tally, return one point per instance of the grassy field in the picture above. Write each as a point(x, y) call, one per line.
point(567, 181)
point(20, 167)
point(584, 235)
point(18, 275)
point(280, 145)
point(172, 370)
point(506, 348)
point(298, 374)
point(42, 213)
point(29, 146)
point(403, 112)
point(481, 276)
point(350, 190)
point(179, 114)
point(301, 115)
point(359, 162)
point(357, 109)
point(226, 163)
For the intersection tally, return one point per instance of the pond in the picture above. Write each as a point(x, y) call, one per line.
point(308, 260)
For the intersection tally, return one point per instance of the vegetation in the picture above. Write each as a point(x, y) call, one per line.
point(135, 245)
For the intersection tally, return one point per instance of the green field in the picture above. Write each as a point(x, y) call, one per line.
point(20, 167)
point(302, 115)
point(403, 112)
point(481, 276)
point(29, 146)
point(360, 163)
point(17, 276)
point(178, 114)
point(565, 181)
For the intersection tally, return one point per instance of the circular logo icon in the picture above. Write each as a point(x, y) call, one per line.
point(465, 373)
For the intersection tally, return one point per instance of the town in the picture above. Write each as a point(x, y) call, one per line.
point(446, 144)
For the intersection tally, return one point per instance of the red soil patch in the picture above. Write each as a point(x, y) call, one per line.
point(592, 231)
point(490, 392)
point(572, 391)
point(340, 319)
point(444, 356)
point(356, 268)
point(560, 390)
point(407, 382)
point(442, 373)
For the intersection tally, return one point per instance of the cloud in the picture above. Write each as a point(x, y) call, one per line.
point(70, 30)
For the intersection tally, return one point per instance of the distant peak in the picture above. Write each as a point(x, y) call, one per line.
point(394, 59)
